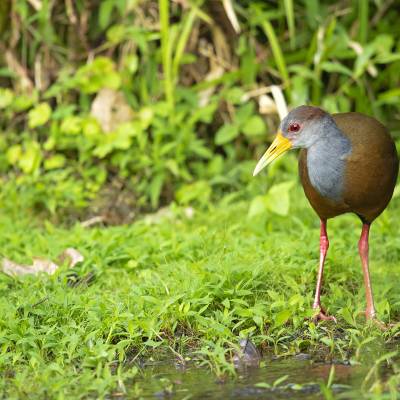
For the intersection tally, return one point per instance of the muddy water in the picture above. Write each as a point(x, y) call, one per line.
point(165, 380)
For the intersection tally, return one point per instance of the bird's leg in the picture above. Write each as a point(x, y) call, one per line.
point(370, 312)
point(323, 249)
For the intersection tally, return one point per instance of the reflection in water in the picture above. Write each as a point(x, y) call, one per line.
point(304, 377)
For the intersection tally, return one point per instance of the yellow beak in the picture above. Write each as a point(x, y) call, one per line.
point(279, 146)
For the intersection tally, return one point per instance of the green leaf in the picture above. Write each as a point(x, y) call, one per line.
point(347, 316)
point(235, 95)
point(276, 51)
point(289, 12)
point(39, 115)
point(226, 134)
point(6, 97)
point(71, 125)
point(198, 192)
point(30, 159)
point(116, 33)
point(91, 127)
point(254, 126)
point(13, 154)
point(244, 113)
point(105, 13)
point(23, 102)
point(56, 161)
point(282, 317)
point(156, 185)
point(101, 73)
point(336, 67)
point(257, 207)
point(277, 199)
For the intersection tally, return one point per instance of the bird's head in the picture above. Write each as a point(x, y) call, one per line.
point(301, 128)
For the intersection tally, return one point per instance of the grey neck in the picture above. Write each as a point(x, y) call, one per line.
point(326, 163)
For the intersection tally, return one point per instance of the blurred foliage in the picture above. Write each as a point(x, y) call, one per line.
point(169, 99)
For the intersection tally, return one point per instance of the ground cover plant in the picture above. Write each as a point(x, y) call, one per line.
point(150, 116)
point(190, 286)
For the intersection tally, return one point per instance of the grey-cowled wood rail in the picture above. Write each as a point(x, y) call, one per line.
point(348, 163)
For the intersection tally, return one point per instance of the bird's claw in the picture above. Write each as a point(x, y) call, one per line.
point(371, 318)
point(383, 326)
point(322, 315)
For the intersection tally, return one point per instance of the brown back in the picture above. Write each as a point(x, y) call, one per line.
point(370, 174)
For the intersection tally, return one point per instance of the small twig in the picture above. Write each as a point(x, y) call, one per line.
point(92, 221)
point(70, 12)
point(380, 13)
point(40, 301)
point(258, 92)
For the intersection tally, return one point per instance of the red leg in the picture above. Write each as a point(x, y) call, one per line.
point(323, 249)
point(363, 247)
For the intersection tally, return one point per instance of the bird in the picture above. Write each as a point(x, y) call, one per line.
point(348, 163)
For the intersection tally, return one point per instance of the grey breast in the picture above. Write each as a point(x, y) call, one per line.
point(326, 164)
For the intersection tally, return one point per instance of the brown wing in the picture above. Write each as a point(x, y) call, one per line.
point(371, 168)
point(370, 174)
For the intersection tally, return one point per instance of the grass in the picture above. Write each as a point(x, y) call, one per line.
point(188, 286)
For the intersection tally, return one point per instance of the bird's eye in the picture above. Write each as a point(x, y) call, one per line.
point(295, 127)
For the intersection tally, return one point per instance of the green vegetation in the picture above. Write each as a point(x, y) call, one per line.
point(188, 287)
point(155, 110)
point(153, 97)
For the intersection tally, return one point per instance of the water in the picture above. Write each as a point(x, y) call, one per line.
point(166, 379)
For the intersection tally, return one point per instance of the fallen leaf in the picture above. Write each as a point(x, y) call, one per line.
point(39, 265)
point(73, 255)
point(267, 105)
point(110, 109)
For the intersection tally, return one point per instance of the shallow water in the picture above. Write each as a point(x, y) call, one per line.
point(304, 376)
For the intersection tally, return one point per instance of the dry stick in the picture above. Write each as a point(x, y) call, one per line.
point(381, 12)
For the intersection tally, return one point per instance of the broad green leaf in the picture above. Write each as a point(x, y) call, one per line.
point(30, 159)
point(91, 128)
point(226, 134)
point(244, 112)
point(347, 316)
point(71, 125)
point(23, 102)
point(13, 154)
point(277, 199)
point(235, 95)
point(56, 161)
point(254, 126)
point(257, 206)
point(39, 115)
point(197, 192)
point(101, 73)
point(116, 33)
point(282, 317)
point(6, 97)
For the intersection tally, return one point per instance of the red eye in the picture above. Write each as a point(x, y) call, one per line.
point(295, 127)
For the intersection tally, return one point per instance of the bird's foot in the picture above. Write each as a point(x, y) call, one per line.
point(373, 319)
point(321, 315)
